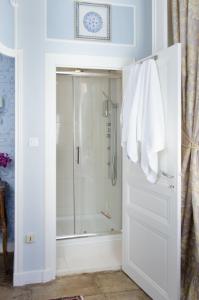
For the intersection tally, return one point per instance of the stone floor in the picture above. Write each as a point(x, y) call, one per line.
point(95, 286)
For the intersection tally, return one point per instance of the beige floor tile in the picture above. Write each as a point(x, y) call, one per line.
point(8, 293)
point(95, 297)
point(109, 282)
point(94, 286)
point(66, 286)
point(129, 295)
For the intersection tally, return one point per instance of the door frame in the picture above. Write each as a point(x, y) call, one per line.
point(18, 197)
point(159, 25)
point(52, 61)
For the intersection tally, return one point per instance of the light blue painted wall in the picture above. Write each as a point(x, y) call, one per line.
point(143, 33)
point(63, 27)
point(7, 35)
point(60, 27)
point(32, 40)
point(122, 19)
point(7, 134)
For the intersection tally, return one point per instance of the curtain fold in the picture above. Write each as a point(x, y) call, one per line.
point(185, 21)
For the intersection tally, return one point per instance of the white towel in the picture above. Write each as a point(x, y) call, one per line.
point(130, 75)
point(133, 147)
point(146, 129)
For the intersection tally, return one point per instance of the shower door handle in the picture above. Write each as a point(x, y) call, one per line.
point(77, 149)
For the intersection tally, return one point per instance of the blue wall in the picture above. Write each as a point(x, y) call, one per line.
point(32, 39)
point(7, 133)
point(62, 27)
point(7, 35)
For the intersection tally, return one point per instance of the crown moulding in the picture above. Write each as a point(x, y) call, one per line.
point(14, 3)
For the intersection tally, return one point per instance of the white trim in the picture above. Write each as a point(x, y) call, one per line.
point(65, 272)
point(71, 251)
point(53, 61)
point(159, 25)
point(83, 42)
point(88, 42)
point(37, 276)
point(7, 51)
point(110, 2)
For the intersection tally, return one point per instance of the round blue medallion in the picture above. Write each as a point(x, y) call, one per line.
point(93, 22)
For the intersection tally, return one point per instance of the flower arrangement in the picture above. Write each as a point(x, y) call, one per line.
point(4, 160)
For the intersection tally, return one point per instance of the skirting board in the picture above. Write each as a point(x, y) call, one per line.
point(92, 254)
point(37, 276)
point(78, 256)
point(10, 247)
point(64, 272)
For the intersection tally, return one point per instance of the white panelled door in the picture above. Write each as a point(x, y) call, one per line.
point(151, 212)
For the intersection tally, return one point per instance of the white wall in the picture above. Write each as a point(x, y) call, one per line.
point(7, 17)
point(31, 38)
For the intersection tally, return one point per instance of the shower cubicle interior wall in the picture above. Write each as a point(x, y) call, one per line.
point(88, 152)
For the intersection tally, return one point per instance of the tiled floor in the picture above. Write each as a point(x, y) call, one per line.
point(95, 286)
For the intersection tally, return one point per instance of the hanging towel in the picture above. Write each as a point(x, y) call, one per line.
point(130, 76)
point(146, 129)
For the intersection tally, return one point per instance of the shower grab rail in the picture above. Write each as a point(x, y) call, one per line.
point(78, 156)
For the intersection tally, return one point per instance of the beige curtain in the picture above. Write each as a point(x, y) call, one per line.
point(185, 19)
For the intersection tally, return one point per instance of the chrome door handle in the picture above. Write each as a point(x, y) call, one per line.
point(78, 156)
point(167, 175)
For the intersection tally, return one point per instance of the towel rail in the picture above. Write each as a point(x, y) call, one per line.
point(155, 57)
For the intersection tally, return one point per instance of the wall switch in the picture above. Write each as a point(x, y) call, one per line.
point(30, 238)
point(33, 142)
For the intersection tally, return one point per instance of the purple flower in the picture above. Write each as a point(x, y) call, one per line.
point(4, 160)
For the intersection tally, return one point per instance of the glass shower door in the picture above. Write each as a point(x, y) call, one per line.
point(88, 155)
point(96, 196)
point(65, 167)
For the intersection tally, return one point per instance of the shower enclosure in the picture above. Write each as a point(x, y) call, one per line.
point(88, 153)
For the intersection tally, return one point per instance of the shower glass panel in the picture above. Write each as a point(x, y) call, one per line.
point(65, 141)
point(88, 155)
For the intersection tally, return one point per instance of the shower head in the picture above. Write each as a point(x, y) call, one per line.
point(105, 95)
point(108, 99)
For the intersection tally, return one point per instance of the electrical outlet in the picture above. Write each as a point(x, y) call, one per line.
point(29, 238)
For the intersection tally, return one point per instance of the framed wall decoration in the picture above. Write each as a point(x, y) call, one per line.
point(92, 21)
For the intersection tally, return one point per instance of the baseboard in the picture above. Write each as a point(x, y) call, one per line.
point(63, 272)
point(10, 247)
point(91, 254)
point(37, 276)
